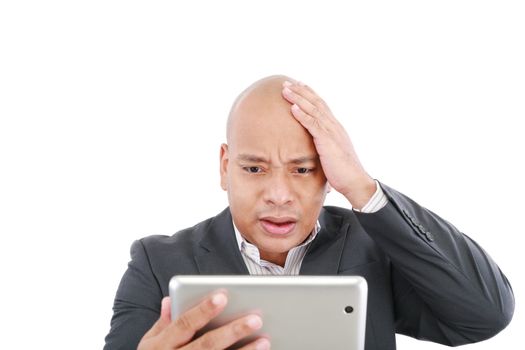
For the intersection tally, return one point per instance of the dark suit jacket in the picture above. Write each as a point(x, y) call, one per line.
point(425, 279)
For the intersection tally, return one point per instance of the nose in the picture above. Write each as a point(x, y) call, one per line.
point(278, 191)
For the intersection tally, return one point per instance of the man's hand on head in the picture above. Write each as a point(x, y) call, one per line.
point(339, 161)
point(178, 334)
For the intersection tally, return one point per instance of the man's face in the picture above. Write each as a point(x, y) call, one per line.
point(271, 170)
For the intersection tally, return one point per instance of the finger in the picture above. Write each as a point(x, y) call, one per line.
point(165, 310)
point(259, 344)
point(181, 330)
point(227, 335)
point(305, 91)
point(302, 102)
point(307, 121)
point(164, 319)
point(296, 93)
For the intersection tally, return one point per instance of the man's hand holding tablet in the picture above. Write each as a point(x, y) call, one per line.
point(177, 334)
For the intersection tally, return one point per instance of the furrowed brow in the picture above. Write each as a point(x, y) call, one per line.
point(302, 160)
point(251, 158)
point(257, 159)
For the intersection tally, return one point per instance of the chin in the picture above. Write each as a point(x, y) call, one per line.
point(276, 244)
point(270, 248)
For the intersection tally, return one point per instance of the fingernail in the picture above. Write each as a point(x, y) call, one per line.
point(263, 344)
point(287, 83)
point(254, 322)
point(218, 299)
point(165, 302)
point(287, 90)
point(295, 107)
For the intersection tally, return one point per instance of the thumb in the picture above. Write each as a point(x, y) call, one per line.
point(164, 319)
point(165, 310)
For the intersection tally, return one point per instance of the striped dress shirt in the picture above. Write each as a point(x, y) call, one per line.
point(257, 266)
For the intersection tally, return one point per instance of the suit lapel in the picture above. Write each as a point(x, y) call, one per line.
point(324, 253)
point(216, 251)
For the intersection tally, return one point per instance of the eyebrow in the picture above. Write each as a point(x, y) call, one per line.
point(258, 159)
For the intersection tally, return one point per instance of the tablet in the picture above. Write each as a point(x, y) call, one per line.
point(298, 312)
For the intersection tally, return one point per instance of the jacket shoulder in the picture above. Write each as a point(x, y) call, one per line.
point(339, 211)
point(338, 216)
point(181, 240)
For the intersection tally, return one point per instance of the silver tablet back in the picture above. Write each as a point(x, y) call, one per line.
point(298, 312)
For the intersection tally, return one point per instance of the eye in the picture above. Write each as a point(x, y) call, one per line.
point(252, 169)
point(304, 170)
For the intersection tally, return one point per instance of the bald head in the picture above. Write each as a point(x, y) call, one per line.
point(270, 167)
point(262, 99)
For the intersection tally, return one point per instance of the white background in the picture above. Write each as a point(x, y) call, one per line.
point(112, 113)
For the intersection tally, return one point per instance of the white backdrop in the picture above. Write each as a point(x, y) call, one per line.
point(112, 113)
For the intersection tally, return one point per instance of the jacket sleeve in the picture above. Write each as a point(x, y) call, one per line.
point(137, 302)
point(446, 288)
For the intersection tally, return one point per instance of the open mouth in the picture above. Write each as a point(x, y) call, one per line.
point(278, 226)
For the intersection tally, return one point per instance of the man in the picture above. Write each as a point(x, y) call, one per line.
point(285, 150)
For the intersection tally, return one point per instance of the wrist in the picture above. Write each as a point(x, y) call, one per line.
point(359, 194)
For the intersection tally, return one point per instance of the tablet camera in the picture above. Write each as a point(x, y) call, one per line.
point(349, 309)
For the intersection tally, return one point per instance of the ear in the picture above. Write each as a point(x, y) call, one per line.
point(224, 157)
